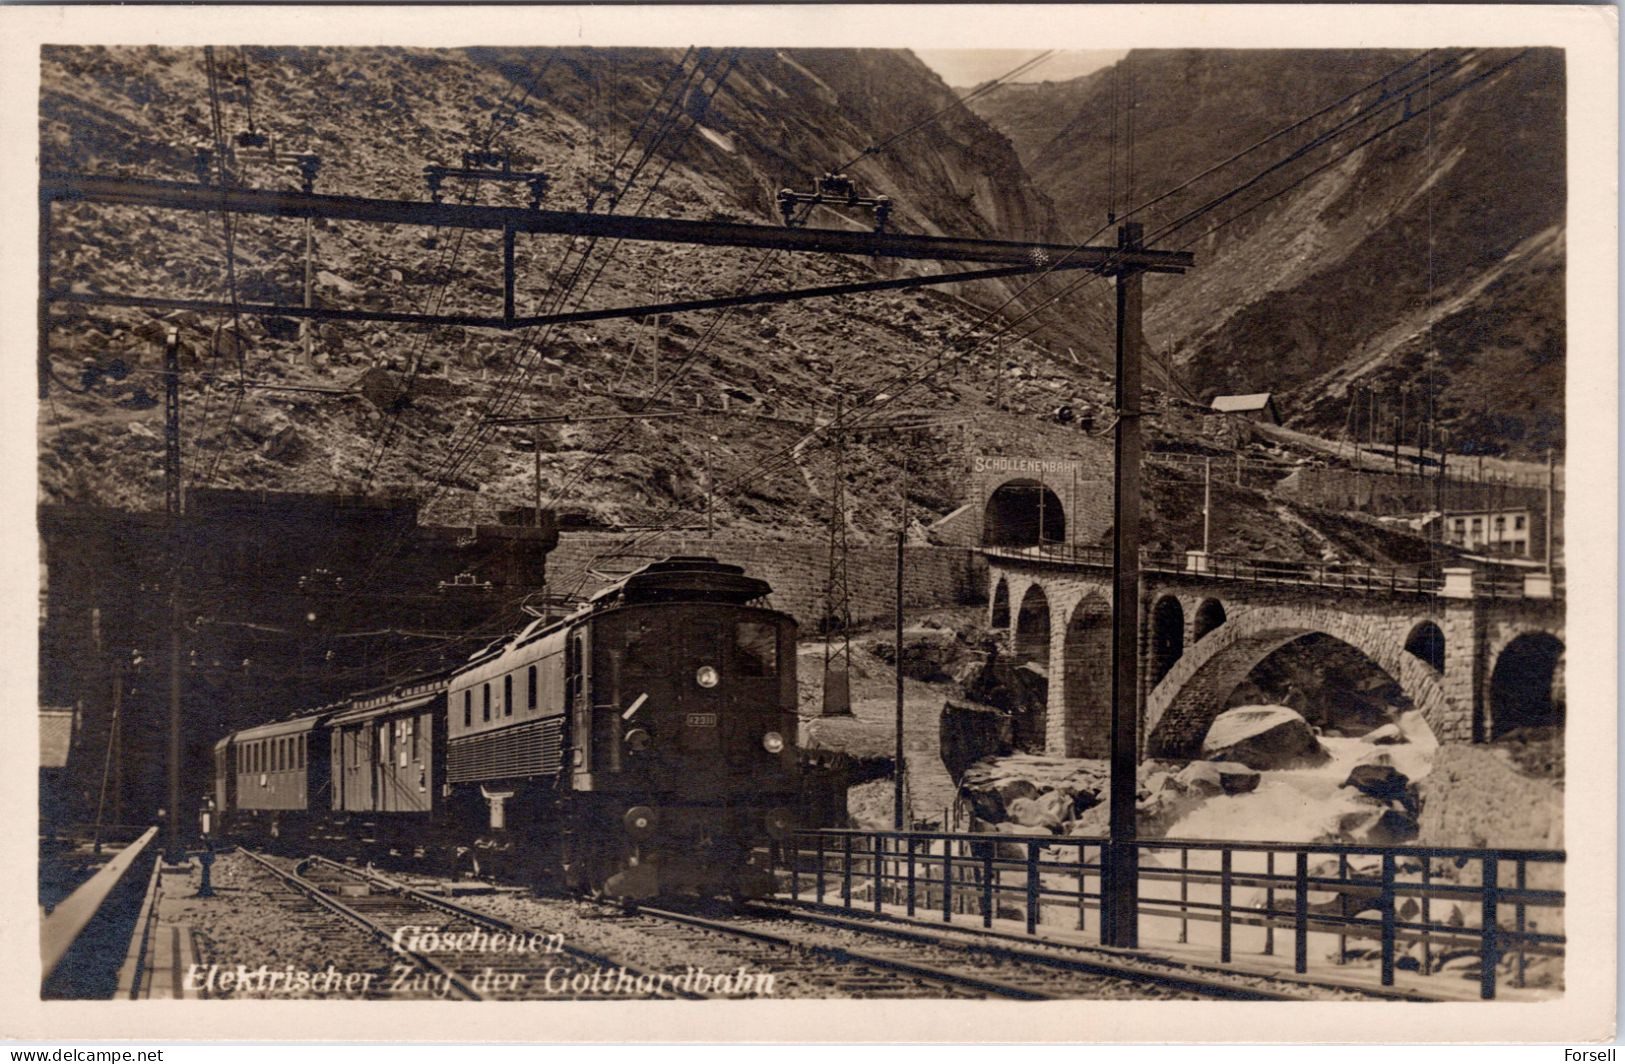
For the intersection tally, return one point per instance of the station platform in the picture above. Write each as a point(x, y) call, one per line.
point(163, 948)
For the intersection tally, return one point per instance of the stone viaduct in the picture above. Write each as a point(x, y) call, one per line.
point(1477, 659)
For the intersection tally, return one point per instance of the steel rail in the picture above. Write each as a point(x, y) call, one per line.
point(58, 186)
point(844, 954)
point(493, 923)
point(377, 931)
point(1210, 983)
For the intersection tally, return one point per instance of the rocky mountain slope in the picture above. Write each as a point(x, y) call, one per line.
point(1431, 260)
point(743, 126)
point(727, 130)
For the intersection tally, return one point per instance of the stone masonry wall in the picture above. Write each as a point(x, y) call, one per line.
point(797, 571)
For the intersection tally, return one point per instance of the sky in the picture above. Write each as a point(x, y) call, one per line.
point(967, 67)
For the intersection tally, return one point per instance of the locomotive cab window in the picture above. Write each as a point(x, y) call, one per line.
point(756, 648)
point(645, 647)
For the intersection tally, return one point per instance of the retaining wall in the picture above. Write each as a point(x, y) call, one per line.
point(797, 570)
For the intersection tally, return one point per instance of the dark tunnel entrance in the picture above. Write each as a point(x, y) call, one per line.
point(1023, 513)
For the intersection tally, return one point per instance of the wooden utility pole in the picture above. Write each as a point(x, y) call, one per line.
point(307, 327)
point(1120, 879)
point(1551, 513)
point(837, 590)
point(1207, 500)
point(536, 476)
point(1399, 426)
point(897, 762)
point(173, 500)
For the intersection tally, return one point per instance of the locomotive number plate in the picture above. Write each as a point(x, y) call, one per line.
point(701, 720)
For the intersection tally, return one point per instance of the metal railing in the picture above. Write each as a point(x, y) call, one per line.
point(1348, 576)
point(1426, 900)
point(61, 930)
point(1342, 576)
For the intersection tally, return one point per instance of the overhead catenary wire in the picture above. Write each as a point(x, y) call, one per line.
point(563, 262)
point(507, 396)
point(1026, 66)
point(478, 431)
point(892, 394)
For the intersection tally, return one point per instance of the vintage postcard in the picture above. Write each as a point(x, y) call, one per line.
point(803, 523)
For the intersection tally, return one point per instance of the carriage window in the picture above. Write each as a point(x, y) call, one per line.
point(303, 740)
point(468, 707)
point(507, 696)
point(485, 693)
point(756, 648)
point(533, 687)
point(383, 743)
point(279, 755)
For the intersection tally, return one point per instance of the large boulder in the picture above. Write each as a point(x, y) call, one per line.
point(1263, 737)
point(969, 733)
point(1201, 777)
point(990, 784)
point(1372, 825)
point(1015, 851)
point(1034, 813)
point(930, 654)
point(1093, 822)
point(1235, 777)
point(1377, 776)
point(1217, 777)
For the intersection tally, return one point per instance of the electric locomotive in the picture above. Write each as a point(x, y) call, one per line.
point(643, 745)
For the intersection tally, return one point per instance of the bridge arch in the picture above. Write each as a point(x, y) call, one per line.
point(1086, 681)
point(1526, 685)
point(1030, 644)
point(1167, 636)
point(1209, 615)
point(999, 616)
point(1180, 708)
point(1426, 642)
point(1022, 513)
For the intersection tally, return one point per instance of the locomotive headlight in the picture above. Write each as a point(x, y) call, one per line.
point(706, 676)
point(773, 742)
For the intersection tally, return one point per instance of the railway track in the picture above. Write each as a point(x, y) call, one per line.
point(437, 948)
point(1205, 981)
point(965, 968)
point(805, 953)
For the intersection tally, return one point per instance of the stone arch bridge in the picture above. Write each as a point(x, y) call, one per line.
point(1478, 657)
